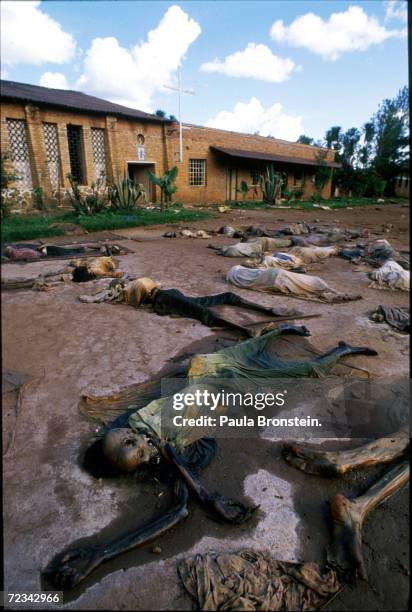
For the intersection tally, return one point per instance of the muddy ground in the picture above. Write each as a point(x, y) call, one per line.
point(59, 348)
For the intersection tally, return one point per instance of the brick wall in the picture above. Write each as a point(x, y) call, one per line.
point(196, 145)
point(120, 139)
point(161, 143)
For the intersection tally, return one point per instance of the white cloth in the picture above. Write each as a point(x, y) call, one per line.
point(312, 254)
point(283, 281)
point(391, 276)
point(280, 260)
point(255, 247)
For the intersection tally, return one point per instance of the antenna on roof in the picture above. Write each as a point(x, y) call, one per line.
point(180, 90)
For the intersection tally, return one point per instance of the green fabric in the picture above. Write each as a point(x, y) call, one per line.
point(252, 362)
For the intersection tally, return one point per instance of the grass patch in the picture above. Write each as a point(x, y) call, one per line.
point(334, 203)
point(337, 203)
point(38, 226)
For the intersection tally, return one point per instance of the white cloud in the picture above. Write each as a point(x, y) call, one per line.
point(132, 76)
point(251, 117)
point(350, 30)
point(57, 80)
point(396, 9)
point(30, 36)
point(256, 61)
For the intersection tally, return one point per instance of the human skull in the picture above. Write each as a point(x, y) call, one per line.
point(126, 449)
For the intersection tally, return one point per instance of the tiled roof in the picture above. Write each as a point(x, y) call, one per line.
point(272, 157)
point(73, 100)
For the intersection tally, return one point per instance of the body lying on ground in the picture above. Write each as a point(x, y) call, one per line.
point(78, 271)
point(283, 281)
point(98, 267)
point(252, 248)
point(173, 302)
point(374, 253)
point(327, 238)
point(143, 433)
point(348, 515)
point(186, 233)
point(254, 580)
point(277, 260)
point(312, 254)
point(33, 251)
point(397, 317)
point(295, 259)
point(390, 276)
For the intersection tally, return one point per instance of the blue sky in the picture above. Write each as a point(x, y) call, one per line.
point(304, 75)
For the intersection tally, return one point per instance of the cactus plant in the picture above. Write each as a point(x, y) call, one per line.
point(271, 184)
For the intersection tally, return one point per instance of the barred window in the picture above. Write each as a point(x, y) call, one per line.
point(255, 176)
point(76, 154)
point(52, 151)
point(197, 172)
point(19, 151)
point(99, 152)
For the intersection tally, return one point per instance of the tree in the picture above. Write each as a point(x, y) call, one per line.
point(172, 118)
point(372, 156)
point(160, 113)
point(333, 137)
point(346, 176)
point(166, 182)
point(391, 127)
point(365, 151)
point(245, 188)
point(349, 141)
point(305, 140)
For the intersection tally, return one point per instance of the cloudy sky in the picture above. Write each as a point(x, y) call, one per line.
point(279, 68)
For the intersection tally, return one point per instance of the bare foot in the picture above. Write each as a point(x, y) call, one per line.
point(310, 461)
point(347, 521)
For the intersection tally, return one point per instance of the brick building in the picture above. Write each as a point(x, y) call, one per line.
point(49, 133)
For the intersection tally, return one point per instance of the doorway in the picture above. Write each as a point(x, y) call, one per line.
point(138, 175)
point(231, 184)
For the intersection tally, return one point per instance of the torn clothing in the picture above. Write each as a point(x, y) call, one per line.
point(390, 276)
point(113, 293)
point(398, 318)
point(252, 363)
point(284, 281)
point(376, 254)
point(254, 580)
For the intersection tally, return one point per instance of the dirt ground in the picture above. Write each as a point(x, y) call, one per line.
point(60, 348)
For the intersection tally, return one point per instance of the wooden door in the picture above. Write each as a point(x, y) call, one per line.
point(231, 184)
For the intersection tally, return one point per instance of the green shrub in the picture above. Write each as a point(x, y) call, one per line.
point(125, 195)
point(166, 182)
point(89, 204)
point(271, 184)
point(38, 196)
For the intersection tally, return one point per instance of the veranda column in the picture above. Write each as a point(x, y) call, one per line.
point(37, 150)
